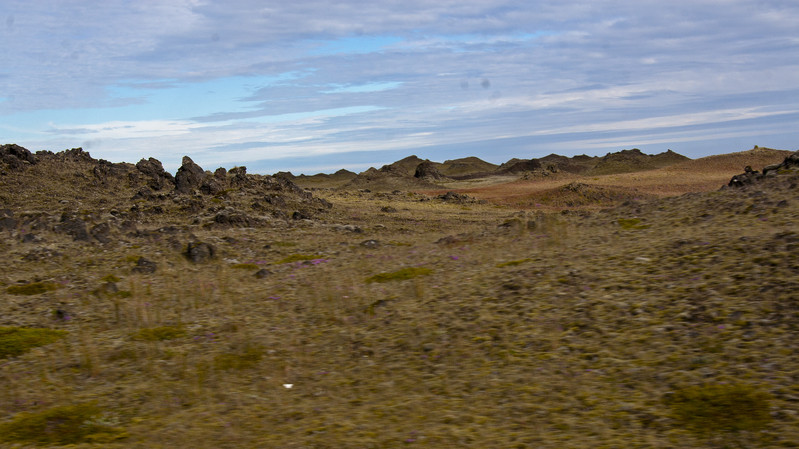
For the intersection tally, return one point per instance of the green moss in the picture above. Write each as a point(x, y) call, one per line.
point(632, 223)
point(513, 263)
point(123, 294)
point(245, 266)
point(300, 257)
point(110, 278)
point(15, 341)
point(70, 424)
point(34, 288)
point(284, 244)
point(708, 410)
point(400, 275)
point(159, 333)
point(247, 358)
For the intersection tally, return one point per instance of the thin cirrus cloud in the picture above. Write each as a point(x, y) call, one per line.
point(307, 85)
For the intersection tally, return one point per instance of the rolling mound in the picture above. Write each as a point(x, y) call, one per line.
point(627, 161)
point(467, 166)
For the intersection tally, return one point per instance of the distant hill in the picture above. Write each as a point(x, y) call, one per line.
point(757, 158)
point(627, 161)
point(466, 166)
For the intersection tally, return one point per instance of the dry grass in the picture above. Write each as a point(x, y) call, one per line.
point(528, 330)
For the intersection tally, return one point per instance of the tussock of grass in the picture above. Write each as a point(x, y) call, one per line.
point(69, 424)
point(159, 333)
point(15, 341)
point(400, 275)
point(249, 357)
point(632, 223)
point(34, 288)
point(513, 263)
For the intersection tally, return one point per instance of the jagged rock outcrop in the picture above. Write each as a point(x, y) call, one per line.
point(750, 176)
point(429, 172)
point(189, 176)
point(16, 157)
point(157, 177)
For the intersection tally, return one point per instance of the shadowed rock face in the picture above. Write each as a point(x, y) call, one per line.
point(16, 157)
point(428, 171)
point(158, 178)
point(189, 176)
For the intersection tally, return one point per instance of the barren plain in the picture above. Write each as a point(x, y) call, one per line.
point(618, 302)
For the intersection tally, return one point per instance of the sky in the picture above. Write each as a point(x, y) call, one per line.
point(313, 86)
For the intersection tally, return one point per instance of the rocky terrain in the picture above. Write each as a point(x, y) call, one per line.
point(217, 309)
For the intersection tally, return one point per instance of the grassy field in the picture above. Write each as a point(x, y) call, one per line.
point(402, 320)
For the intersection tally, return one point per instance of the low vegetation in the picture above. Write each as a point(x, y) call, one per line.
point(15, 341)
point(664, 322)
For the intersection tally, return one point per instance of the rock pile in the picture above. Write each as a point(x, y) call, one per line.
point(750, 176)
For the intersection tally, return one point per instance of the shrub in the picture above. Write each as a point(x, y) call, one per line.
point(15, 341)
point(34, 288)
point(159, 333)
point(70, 424)
point(400, 275)
point(708, 410)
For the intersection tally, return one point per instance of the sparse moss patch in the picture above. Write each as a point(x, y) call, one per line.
point(159, 333)
point(400, 275)
point(33, 288)
point(69, 424)
point(513, 263)
point(247, 358)
point(15, 341)
point(632, 223)
point(706, 410)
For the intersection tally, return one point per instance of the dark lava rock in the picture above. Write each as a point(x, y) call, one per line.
point(297, 215)
point(428, 172)
point(16, 157)
point(199, 252)
point(144, 266)
point(749, 176)
point(7, 221)
point(239, 176)
point(72, 225)
point(234, 219)
point(101, 232)
point(262, 273)
point(220, 173)
point(189, 176)
point(157, 177)
point(388, 209)
point(456, 198)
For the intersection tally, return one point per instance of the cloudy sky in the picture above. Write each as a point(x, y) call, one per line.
point(313, 86)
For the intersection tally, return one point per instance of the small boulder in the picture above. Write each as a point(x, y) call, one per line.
point(262, 273)
point(144, 266)
point(199, 252)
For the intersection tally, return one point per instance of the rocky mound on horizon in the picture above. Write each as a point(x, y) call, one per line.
point(48, 196)
point(789, 166)
point(627, 161)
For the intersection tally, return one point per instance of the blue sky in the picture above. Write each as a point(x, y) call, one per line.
point(310, 86)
